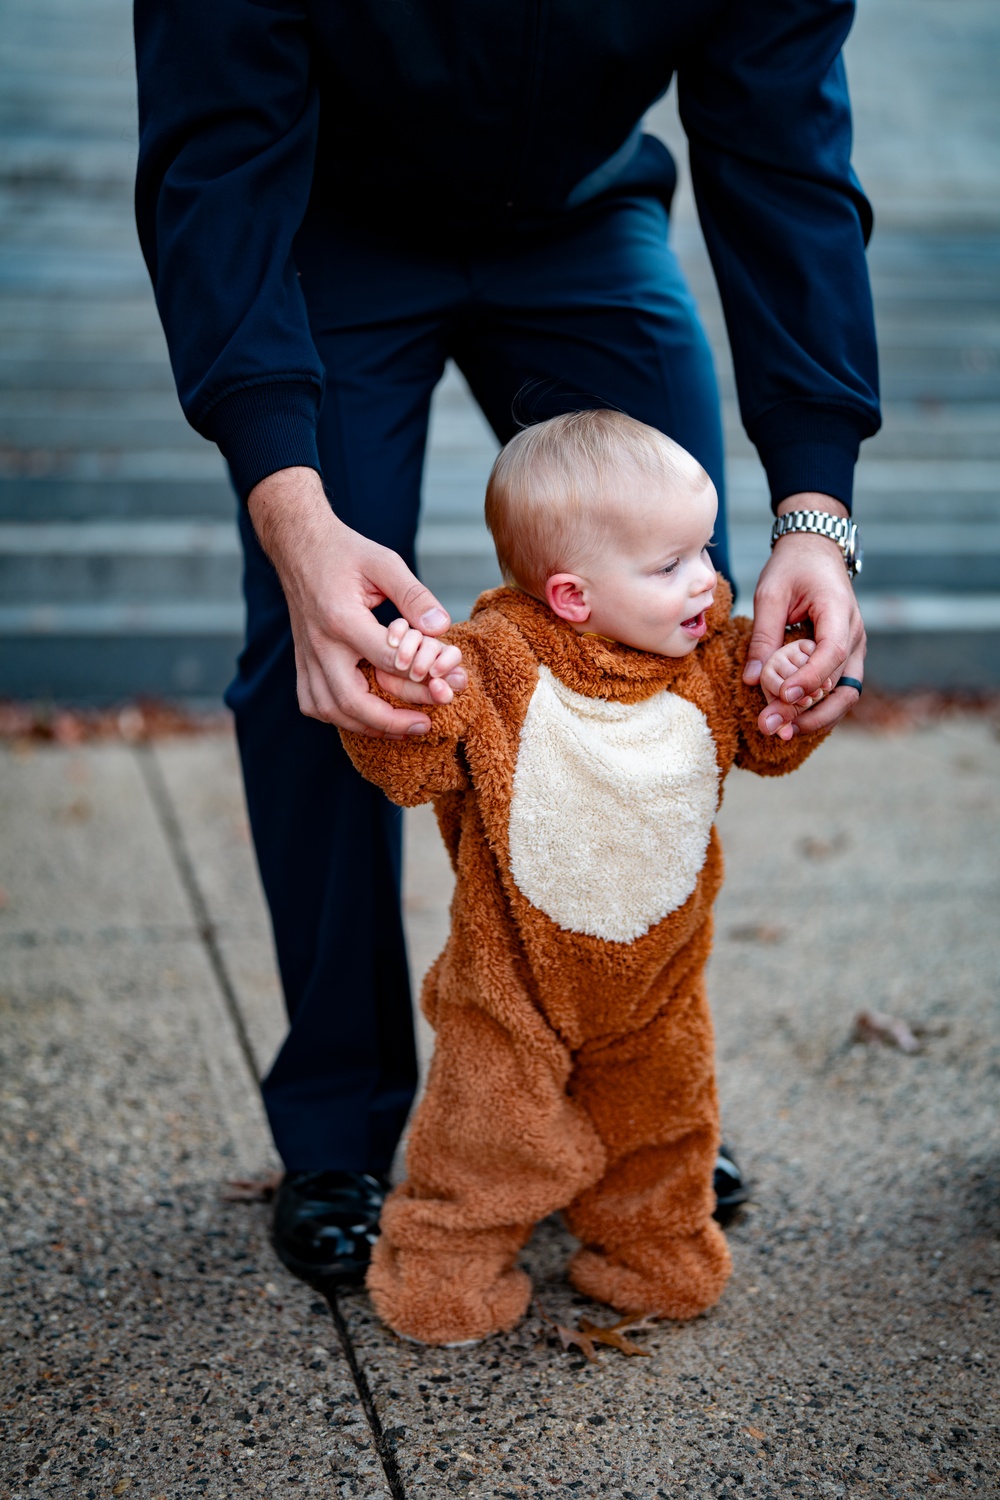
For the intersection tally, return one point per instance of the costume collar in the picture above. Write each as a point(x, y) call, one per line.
point(589, 664)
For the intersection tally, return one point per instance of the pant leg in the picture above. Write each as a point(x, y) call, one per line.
point(596, 313)
point(649, 1242)
point(328, 844)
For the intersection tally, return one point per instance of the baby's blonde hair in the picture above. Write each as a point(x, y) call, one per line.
point(559, 490)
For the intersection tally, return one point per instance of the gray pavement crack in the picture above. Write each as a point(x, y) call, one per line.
point(159, 794)
point(383, 1444)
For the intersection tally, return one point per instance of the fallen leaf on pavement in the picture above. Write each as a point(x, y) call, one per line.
point(614, 1336)
point(757, 932)
point(891, 1031)
point(814, 848)
point(569, 1337)
point(589, 1333)
point(252, 1190)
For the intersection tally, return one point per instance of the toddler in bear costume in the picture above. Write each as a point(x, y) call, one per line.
point(576, 782)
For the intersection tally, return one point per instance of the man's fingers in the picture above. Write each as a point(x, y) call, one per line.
point(336, 692)
point(768, 634)
point(827, 661)
point(422, 694)
point(415, 603)
point(837, 703)
point(835, 645)
point(776, 714)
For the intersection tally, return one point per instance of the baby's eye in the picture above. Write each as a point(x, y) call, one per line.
point(671, 566)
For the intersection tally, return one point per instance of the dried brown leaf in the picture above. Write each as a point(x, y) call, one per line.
point(757, 932)
point(614, 1336)
point(891, 1031)
point(569, 1337)
point(252, 1190)
point(814, 848)
point(590, 1333)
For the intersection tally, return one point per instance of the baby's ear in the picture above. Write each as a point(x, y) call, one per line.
point(566, 596)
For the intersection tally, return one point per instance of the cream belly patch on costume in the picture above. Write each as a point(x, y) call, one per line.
point(611, 809)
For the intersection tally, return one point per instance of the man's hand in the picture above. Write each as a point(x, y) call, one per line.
point(785, 662)
point(805, 577)
point(333, 578)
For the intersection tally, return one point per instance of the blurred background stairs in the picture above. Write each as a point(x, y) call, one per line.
point(119, 563)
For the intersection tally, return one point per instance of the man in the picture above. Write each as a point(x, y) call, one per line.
point(333, 198)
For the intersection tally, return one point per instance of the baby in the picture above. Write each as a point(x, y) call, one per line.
point(576, 782)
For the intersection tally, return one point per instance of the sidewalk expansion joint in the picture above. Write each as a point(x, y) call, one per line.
point(163, 805)
point(159, 794)
point(383, 1445)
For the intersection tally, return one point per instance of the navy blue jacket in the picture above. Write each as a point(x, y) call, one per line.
point(485, 117)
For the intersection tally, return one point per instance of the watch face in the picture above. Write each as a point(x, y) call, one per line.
point(855, 552)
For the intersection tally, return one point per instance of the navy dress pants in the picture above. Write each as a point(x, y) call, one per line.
point(591, 312)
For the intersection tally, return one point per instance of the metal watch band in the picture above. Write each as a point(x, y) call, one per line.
point(820, 523)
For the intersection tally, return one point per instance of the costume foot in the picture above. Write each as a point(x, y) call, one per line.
point(449, 1294)
point(730, 1189)
point(677, 1278)
point(325, 1224)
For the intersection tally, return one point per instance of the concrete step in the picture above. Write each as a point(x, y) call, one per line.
point(119, 565)
point(94, 666)
point(76, 596)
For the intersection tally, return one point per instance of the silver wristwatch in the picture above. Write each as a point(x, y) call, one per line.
point(821, 523)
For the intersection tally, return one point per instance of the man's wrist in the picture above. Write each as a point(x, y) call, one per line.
point(812, 500)
point(815, 517)
point(285, 507)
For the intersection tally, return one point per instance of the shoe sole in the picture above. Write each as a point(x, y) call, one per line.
point(455, 1344)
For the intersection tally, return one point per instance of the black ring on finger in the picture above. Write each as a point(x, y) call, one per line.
point(852, 682)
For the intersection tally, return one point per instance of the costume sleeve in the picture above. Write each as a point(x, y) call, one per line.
point(763, 97)
point(421, 767)
point(764, 754)
point(228, 115)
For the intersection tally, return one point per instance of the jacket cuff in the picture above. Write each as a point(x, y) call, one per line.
point(263, 428)
point(805, 447)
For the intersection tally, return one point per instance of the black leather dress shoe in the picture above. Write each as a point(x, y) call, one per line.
point(325, 1224)
point(730, 1189)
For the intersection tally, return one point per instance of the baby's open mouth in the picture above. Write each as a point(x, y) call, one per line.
point(696, 623)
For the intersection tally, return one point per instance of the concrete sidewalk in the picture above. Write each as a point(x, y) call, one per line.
point(153, 1347)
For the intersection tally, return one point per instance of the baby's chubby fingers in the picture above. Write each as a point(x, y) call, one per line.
point(435, 659)
point(404, 642)
point(419, 657)
point(784, 663)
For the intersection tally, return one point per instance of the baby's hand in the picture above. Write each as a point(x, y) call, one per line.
point(783, 664)
point(419, 659)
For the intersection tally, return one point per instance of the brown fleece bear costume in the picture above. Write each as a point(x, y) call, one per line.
point(576, 783)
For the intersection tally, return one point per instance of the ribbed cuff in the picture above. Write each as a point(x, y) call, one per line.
point(263, 428)
point(809, 448)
